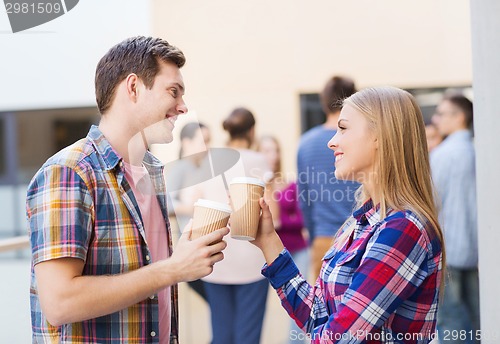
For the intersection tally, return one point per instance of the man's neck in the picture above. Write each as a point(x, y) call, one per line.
point(129, 145)
point(457, 130)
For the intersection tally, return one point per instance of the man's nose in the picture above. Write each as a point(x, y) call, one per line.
point(435, 119)
point(182, 108)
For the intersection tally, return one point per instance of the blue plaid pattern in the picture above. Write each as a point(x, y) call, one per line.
point(382, 286)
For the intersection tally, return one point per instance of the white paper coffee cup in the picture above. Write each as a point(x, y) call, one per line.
point(209, 216)
point(245, 194)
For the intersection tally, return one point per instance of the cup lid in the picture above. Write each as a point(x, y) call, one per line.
point(247, 180)
point(213, 205)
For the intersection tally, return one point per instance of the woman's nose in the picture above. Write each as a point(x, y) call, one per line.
point(333, 143)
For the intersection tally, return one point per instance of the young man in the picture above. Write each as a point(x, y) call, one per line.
point(103, 270)
point(453, 173)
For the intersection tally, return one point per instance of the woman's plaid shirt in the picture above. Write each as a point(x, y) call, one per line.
point(382, 286)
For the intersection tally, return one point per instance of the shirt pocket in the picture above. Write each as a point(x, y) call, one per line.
point(343, 268)
point(340, 269)
point(329, 254)
point(346, 258)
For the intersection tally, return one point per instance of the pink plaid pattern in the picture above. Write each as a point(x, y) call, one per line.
point(381, 287)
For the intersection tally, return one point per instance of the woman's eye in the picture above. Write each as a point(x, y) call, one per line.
point(174, 92)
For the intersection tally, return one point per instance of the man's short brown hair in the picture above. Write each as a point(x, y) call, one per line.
point(139, 55)
point(335, 91)
point(464, 105)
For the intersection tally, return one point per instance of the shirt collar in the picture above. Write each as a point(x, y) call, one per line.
point(111, 157)
point(459, 135)
point(150, 161)
point(368, 213)
point(103, 147)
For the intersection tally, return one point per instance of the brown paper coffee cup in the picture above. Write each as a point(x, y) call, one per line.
point(245, 194)
point(209, 216)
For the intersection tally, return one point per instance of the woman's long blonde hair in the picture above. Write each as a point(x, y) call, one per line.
point(402, 168)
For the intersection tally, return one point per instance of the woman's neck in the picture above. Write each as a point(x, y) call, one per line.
point(239, 144)
point(372, 190)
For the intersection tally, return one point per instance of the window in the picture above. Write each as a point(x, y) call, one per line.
point(27, 140)
point(67, 131)
point(42, 133)
point(311, 112)
point(429, 98)
point(3, 155)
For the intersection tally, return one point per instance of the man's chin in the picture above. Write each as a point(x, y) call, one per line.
point(167, 139)
point(161, 141)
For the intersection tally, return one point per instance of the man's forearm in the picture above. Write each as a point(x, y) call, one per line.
point(67, 296)
point(87, 297)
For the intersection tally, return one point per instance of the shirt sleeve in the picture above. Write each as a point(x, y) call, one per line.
point(59, 210)
point(392, 267)
point(304, 303)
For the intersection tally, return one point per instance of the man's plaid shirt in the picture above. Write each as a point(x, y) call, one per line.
point(80, 205)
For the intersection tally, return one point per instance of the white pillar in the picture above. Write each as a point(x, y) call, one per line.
point(485, 25)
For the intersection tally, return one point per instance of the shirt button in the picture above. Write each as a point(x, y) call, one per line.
point(147, 257)
point(153, 333)
point(152, 297)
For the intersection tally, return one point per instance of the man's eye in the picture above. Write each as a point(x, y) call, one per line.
point(174, 92)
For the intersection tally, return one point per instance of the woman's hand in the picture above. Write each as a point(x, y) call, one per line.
point(267, 239)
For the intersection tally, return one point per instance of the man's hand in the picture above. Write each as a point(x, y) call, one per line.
point(193, 259)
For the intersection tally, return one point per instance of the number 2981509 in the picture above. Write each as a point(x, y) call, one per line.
point(25, 8)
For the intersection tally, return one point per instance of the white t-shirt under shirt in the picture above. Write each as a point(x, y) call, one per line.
point(156, 234)
point(242, 260)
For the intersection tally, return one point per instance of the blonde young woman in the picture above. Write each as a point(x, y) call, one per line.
point(380, 280)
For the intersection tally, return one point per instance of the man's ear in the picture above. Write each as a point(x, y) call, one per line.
point(463, 119)
point(132, 83)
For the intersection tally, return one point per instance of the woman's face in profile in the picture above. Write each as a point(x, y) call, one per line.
point(270, 151)
point(433, 136)
point(198, 143)
point(354, 145)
